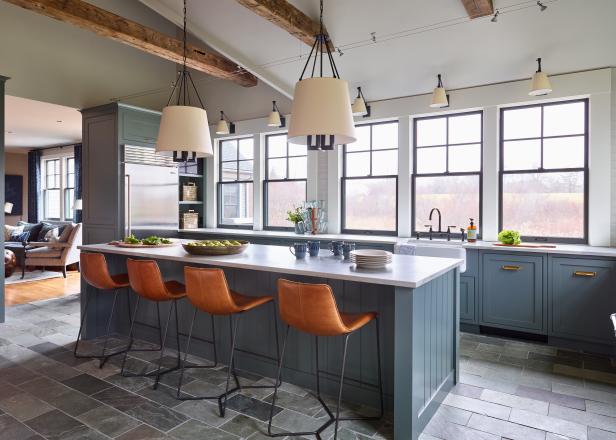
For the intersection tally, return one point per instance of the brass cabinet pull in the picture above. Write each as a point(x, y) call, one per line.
point(511, 268)
point(581, 273)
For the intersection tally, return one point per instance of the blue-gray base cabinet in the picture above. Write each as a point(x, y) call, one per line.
point(564, 299)
point(418, 328)
point(582, 295)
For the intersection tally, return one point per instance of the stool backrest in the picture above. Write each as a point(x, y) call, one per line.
point(208, 291)
point(94, 270)
point(146, 280)
point(310, 308)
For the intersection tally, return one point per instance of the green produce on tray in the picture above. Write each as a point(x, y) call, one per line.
point(214, 243)
point(152, 240)
point(508, 236)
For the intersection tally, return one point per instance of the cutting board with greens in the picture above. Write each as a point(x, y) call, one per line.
point(152, 241)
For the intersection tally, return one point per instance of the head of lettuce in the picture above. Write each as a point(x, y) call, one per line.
point(508, 236)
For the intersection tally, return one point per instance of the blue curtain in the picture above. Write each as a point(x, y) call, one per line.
point(34, 185)
point(78, 182)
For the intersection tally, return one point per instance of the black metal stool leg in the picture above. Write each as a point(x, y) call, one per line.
point(130, 335)
point(162, 347)
point(378, 357)
point(108, 329)
point(83, 320)
point(346, 344)
point(222, 403)
point(183, 365)
point(278, 380)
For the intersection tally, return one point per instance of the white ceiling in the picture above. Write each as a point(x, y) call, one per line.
point(59, 63)
point(570, 35)
point(30, 124)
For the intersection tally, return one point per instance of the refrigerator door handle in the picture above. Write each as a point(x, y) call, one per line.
point(128, 213)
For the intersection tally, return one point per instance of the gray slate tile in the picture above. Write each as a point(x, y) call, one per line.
point(86, 384)
point(551, 397)
point(547, 423)
point(194, 429)
point(109, 421)
point(160, 417)
point(56, 425)
point(504, 428)
point(143, 432)
point(24, 406)
point(11, 429)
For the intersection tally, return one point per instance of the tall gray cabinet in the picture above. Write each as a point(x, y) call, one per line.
point(106, 129)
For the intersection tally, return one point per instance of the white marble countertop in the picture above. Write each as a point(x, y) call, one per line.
point(562, 249)
point(404, 271)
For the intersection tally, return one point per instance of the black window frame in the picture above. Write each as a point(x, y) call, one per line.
point(479, 221)
point(344, 179)
point(541, 170)
point(220, 182)
point(267, 180)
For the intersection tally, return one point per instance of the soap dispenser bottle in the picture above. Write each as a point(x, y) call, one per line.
point(471, 232)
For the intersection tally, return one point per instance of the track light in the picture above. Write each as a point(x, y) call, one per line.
point(225, 126)
point(541, 83)
point(494, 19)
point(359, 107)
point(542, 7)
point(275, 118)
point(439, 95)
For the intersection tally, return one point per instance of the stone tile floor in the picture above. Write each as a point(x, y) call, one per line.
point(509, 390)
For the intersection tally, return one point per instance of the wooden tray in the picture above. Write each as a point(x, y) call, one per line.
point(523, 245)
point(141, 245)
point(216, 250)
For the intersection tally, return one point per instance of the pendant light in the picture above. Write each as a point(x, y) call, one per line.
point(359, 107)
point(275, 118)
point(225, 126)
point(321, 111)
point(439, 95)
point(184, 130)
point(541, 83)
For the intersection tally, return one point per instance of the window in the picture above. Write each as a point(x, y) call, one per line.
point(285, 179)
point(58, 176)
point(544, 171)
point(235, 186)
point(447, 170)
point(370, 180)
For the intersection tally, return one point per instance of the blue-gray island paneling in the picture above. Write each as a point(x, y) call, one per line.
point(417, 299)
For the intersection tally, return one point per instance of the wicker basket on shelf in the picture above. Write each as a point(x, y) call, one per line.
point(189, 192)
point(189, 220)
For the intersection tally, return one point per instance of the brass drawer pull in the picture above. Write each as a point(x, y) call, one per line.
point(580, 273)
point(515, 268)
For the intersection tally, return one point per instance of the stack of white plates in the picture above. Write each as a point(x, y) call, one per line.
point(371, 258)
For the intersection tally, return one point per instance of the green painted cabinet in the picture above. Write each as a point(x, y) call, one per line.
point(513, 292)
point(138, 126)
point(582, 295)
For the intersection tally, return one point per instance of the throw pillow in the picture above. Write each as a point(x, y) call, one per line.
point(9, 230)
point(66, 233)
point(20, 236)
point(33, 228)
point(52, 235)
point(45, 228)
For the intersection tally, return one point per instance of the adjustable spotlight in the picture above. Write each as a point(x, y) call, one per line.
point(494, 19)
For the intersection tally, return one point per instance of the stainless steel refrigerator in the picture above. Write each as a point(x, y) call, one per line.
point(151, 194)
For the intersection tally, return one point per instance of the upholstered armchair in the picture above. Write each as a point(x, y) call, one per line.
point(54, 254)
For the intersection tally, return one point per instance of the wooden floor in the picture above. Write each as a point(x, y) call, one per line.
point(21, 293)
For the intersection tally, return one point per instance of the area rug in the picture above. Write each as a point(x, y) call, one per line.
point(35, 275)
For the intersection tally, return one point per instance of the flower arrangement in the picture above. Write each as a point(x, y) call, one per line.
point(295, 215)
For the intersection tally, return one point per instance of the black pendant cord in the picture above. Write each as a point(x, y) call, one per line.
point(319, 47)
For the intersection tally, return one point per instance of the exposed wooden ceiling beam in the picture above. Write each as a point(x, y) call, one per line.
point(286, 16)
point(478, 8)
point(110, 25)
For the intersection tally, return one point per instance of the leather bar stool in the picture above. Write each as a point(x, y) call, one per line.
point(147, 282)
point(312, 309)
point(95, 272)
point(208, 292)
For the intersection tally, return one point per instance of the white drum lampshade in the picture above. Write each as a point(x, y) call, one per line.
point(184, 128)
point(321, 106)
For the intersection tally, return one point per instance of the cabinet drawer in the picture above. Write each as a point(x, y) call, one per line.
point(581, 298)
point(468, 300)
point(512, 292)
point(140, 127)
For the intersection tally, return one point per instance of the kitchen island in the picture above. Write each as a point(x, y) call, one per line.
point(417, 299)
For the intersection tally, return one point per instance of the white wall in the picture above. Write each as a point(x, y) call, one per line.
point(598, 85)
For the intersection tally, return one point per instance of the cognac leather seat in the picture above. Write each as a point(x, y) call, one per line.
point(147, 281)
point(208, 291)
point(95, 271)
point(312, 308)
